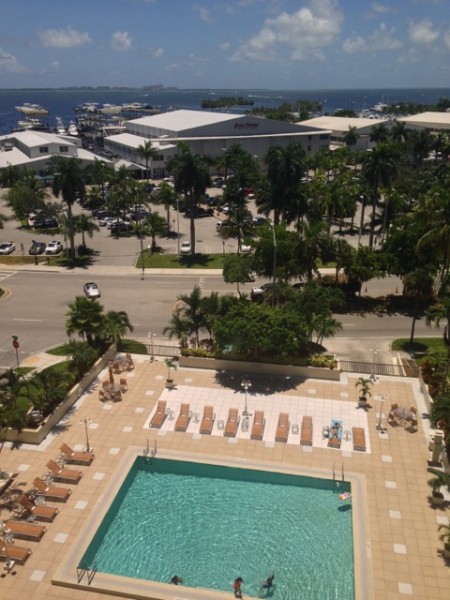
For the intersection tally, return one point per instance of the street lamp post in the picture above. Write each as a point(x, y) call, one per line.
point(246, 384)
point(150, 335)
point(178, 225)
point(375, 352)
point(274, 267)
point(16, 347)
point(86, 421)
point(382, 400)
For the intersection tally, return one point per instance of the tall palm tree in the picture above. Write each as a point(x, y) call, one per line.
point(155, 225)
point(239, 225)
point(69, 183)
point(147, 152)
point(379, 169)
point(166, 196)
point(178, 327)
point(191, 177)
point(285, 168)
point(192, 310)
point(84, 224)
point(85, 317)
point(114, 326)
point(379, 133)
point(351, 137)
point(418, 285)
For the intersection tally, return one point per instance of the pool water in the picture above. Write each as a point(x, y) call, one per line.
point(210, 524)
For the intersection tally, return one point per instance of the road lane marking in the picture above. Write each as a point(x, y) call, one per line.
point(6, 274)
point(30, 320)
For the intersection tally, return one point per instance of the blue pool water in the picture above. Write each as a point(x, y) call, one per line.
point(210, 524)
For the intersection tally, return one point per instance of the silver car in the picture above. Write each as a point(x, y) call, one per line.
point(7, 247)
point(91, 290)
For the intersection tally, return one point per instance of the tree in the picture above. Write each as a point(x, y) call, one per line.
point(351, 137)
point(49, 387)
point(69, 183)
point(191, 178)
point(379, 168)
point(114, 326)
point(166, 196)
point(238, 224)
point(26, 197)
point(418, 285)
point(379, 133)
point(155, 225)
point(179, 327)
point(84, 224)
point(14, 403)
point(147, 152)
point(237, 269)
point(192, 311)
point(85, 317)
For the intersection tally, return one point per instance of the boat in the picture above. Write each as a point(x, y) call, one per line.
point(33, 124)
point(110, 109)
point(87, 107)
point(380, 107)
point(60, 129)
point(72, 129)
point(32, 109)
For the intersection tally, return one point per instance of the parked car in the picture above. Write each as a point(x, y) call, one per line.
point(37, 248)
point(221, 224)
point(7, 247)
point(137, 215)
point(46, 223)
point(54, 247)
point(259, 221)
point(200, 212)
point(104, 221)
point(185, 248)
point(246, 248)
point(91, 290)
point(116, 226)
point(258, 291)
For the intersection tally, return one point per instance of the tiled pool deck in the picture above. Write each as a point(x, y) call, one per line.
point(402, 547)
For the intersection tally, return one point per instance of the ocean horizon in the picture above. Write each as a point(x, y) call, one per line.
point(61, 102)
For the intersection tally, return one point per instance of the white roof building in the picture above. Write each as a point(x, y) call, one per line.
point(209, 133)
point(339, 126)
point(434, 121)
point(33, 149)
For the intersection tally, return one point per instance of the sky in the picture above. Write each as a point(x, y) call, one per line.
point(273, 44)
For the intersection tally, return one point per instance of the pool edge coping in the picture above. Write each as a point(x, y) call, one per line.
point(66, 574)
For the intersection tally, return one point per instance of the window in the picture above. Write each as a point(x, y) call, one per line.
point(43, 149)
point(63, 149)
point(323, 136)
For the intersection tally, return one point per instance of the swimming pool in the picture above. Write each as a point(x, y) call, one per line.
point(211, 523)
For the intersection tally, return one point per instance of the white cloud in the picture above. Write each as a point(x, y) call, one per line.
point(121, 40)
point(204, 13)
point(225, 46)
point(422, 32)
point(63, 38)
point(381, 39)
point(157, 53)
point(447, 38)
point(304, 33)
point(381, 8)
point(9, 63)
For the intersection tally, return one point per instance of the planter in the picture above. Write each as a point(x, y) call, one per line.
point(362, 401)
point(447, 550)
point(170, 383)
point(437, 498)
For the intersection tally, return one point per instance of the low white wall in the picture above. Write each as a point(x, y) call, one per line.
point(194, 362)
point(35, 436)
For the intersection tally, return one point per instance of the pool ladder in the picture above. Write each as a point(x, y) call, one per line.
point(338, 483)
point(89, 570)
point(148, 453)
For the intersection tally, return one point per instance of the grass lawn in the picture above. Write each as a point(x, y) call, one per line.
point(173, 261)
point(59, 350)
point(419, 346)
point(133, 347)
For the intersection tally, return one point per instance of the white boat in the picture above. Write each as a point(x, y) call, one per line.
point(60, 129)
point(380, 107)
point(32, 109)
point(110, 109)
point(72, 129)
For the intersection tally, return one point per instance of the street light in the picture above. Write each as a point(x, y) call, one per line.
point(246, 384)
point(382, 400)
point(150, 348)
point(274, 268)
point(177, 200)
point(86, 421)
point(16, 346)
point(375, 352)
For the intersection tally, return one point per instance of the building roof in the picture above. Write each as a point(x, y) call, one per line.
point(342, 124)
point(438, 120)
point(179, 120)
point(134, 141)
point(33, 138)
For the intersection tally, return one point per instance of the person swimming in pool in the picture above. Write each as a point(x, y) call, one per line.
point(176, 580)
point(267, 585)
point(237, 587)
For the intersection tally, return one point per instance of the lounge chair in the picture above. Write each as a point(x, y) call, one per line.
point(76, 458)
point(183, 418)
point(306, 432)
point(160, 415)
point(39, 511)
point(282, 428)
point(19, 554)
point(393, 417)
point(60, 474)
point(359, 439)
point(51, 492)
point(123, 384)
point(232, 423)
point(24, 530)
point(259, 423)
point(208, 420)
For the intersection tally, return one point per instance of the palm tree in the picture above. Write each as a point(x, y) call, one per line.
point(85, 317)
point(398, 132)
point(378, 169)
point(351, 137)
point(418, 284)
point(84, 224)
point(379, 133)
point(193, 311)
point(178, 327)
point(155, 225)
point(168, 198)
point(50, 387)
point(114, 326)
point(147, 152)
point(69, 183)
point(14, 403)
point(285, 168)
point(191, 177)
point(238, 224)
